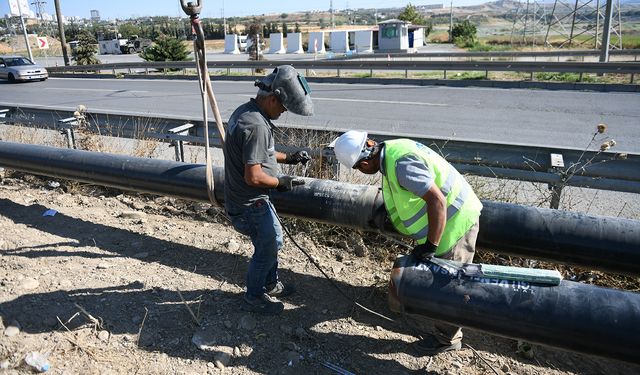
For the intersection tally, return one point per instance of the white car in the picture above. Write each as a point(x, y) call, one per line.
point(18, 68)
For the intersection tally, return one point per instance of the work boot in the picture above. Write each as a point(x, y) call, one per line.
point(263, 304)
point(429, 346)
point(278, 289)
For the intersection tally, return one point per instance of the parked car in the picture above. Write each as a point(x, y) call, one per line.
point(18, 68)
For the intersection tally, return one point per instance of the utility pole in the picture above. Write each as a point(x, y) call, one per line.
point(333, 25)
point(451, 23)
point(224, 21)
point(40, 6)
point(63, 40)
point(24, 31)
point(606, 32)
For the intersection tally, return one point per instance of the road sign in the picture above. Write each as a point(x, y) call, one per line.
point(42, 42)
point(16, 6)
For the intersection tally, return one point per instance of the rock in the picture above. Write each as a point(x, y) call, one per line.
point(236, 352)
point(200, 207)
point(103, 335)
point(4, 365)
point(53, 184)
point(223, 356)
point(132, 215)
point(457, 365)
point(29, 284)
point(247, 322)
point(232, 245)
point(505, 368)
point(358, 246)
point(378, 328)
point(13, 329)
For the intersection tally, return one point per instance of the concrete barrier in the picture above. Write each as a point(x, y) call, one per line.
point(294, 43)
point(339, 41)
point(364, 41)
point(231, 44)
point(316, 42)
point(276, 43)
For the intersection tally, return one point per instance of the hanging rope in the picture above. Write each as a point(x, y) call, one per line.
point(206, 90)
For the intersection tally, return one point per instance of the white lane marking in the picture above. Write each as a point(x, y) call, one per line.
point(372, 101)
point(99, 90)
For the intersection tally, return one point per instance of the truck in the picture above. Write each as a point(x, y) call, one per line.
point(134, 45)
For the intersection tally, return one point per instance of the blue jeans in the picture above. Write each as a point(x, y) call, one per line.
point(260, 223)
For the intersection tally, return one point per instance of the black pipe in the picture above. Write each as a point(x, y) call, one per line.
point(595, 242)
point(573, 316)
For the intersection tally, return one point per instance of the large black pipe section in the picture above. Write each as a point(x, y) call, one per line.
point(573, 316)
point(595, 242)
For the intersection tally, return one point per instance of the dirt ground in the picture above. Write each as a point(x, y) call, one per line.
point(99, 288)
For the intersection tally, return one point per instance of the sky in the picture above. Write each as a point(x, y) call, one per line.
point(111, 9)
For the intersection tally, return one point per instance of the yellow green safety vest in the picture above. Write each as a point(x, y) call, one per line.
point(408, 212)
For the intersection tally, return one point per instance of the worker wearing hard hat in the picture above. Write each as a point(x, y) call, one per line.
point(425, 198)
point(251, 172)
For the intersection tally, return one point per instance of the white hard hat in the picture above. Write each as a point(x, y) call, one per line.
point(350, 147)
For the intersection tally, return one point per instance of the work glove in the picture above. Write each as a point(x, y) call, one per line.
point(424, 252)
point(286, 183)
point(298, 157)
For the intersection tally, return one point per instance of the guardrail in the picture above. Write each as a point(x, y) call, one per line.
point(553, 166)
point(531, 67)
point(494, 54)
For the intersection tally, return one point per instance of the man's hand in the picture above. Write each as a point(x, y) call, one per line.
point(424, 252)
point(286, 183)
point(298, 157)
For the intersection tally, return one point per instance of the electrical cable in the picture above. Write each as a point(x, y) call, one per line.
point(333, 283)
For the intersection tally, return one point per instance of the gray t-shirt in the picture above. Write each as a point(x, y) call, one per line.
point(412, 173)
point(249, 140)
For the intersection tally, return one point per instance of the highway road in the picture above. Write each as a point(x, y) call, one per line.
point(520, 116)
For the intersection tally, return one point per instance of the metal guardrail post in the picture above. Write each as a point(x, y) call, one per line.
point(178, 144)
point(338, 72)
point(66, 129)
point(445, 74)
point(632, 76)
point(557, 166)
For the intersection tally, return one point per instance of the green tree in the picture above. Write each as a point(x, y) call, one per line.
point(284, 16)
point(166, 48)
point(85, 52)
point(297, 28)
point(410, 14)
point(464, 34)
point(285, 29)
point(128, 29)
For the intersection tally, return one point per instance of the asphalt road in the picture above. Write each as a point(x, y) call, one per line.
point(520, 116)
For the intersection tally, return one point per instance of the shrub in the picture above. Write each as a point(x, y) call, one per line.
point(85, 53)
point(166, 48)
point(464, 34)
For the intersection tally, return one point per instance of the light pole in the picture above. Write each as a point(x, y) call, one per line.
point(63, 40)
point(24, 31)
point(451, 22)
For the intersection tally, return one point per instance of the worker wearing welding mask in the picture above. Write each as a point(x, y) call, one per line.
point(251, 175)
